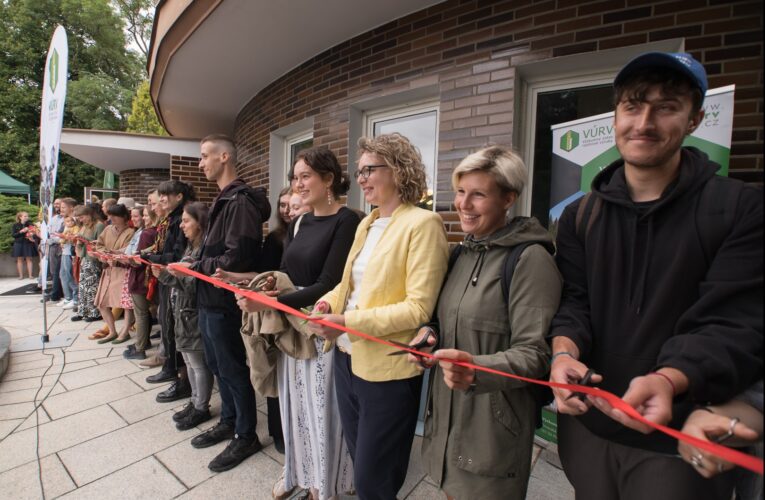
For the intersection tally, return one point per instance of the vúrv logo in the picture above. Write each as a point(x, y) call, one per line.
point(569, 140)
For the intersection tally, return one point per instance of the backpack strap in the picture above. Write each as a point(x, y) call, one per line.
point(716, 213)
point(508, 268)
point(586, 214)
point(542, 395)
point(453, 255)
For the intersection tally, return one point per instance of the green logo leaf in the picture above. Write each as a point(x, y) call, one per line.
point(53, 71)
point(569, 140)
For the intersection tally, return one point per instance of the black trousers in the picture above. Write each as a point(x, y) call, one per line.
point(173, 359)
point(274, 420)
point(227, 359)
point(379, 420)
point(603, 470)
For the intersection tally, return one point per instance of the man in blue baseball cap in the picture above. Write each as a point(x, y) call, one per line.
point(663, 270)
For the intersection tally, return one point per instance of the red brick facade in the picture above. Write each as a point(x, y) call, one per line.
point(469, 50)
point(136, 183)
point(186, 168)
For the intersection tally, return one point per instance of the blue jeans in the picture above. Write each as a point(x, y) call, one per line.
point(227, 360)
point(67, 278)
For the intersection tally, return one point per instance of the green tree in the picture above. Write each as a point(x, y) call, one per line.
point(102, 76)
point(143, 119)
point(138, 18)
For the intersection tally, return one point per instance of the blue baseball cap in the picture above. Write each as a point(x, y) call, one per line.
point(677, 61)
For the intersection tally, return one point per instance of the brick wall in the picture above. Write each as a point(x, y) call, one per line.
point(186, 168)
point(469, 50)
point(135, 183)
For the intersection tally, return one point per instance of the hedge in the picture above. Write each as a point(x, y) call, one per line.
point(9, 206)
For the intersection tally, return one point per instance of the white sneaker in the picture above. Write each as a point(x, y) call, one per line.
point(61, 303)
point(69, 305)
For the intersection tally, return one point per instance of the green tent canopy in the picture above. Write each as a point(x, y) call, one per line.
point(9, 185)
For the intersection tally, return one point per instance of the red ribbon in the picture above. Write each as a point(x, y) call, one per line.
point(752, 463)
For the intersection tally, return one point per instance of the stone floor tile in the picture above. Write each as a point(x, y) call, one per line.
point(104, 455)
point(6, 426)
point(425, 491)
point(90, 396)
point(83, 343)
point(34, 373)
point(44, 362)
point(84, 355)
point(78, 365)
point(21, 396)
point(57, 435)
point(252, 479)
point(18, 410)
point(188, 463)
point(23, 482)
point(139, 377)
point(38, 417)
point(141, 405)
point(26, 383)
point(145, 479)
point(110, 359)
point(95, 374)
point(548, 482)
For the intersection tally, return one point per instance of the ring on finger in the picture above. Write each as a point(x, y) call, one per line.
point(720, 467)
point(729, 432)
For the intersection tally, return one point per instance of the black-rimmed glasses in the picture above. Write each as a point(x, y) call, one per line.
point(366, 171)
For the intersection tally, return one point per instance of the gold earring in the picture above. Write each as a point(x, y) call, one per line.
point(329, 196)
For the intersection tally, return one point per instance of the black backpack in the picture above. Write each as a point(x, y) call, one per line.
point(542, 395)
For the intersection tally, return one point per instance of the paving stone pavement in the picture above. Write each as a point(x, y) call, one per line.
point(98, 433)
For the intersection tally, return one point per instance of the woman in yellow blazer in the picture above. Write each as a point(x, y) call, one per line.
point(389, 288)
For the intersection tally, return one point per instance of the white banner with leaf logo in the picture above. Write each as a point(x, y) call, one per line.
point(584, 147)
point(51, 120)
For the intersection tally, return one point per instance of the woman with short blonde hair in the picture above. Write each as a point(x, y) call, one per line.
point(505, 167)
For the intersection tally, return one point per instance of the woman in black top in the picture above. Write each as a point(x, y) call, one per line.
point(24, 245)
point(316, 456)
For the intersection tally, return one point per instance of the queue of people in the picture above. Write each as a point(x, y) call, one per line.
point(652, 290)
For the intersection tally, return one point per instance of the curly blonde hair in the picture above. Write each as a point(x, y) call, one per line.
point(404, 159)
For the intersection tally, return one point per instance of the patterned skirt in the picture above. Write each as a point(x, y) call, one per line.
point(315, 452)
point(126, 300)
point(90, 274)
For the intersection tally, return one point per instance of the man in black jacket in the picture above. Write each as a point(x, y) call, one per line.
point(232, 243)
point(662, 268)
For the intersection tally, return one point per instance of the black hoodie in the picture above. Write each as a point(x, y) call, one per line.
point(232, 240)
point(642, 294)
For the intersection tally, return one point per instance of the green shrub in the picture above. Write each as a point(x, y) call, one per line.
point(9, 206)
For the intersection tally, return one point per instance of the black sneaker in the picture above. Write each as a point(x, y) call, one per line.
point(213, 435)
point(180, 415)
point(235, 453)
point(194, 418)
point(132, 353)
point(178, 390)
point(161, 376)
point(76, 317)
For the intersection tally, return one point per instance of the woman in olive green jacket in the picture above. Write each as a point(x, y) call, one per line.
point(479, 428)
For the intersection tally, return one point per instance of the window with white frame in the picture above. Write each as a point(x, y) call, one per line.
point(559, 90)
point(418, 123)
point(293, 145)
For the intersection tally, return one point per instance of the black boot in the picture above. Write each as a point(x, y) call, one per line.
point(178, 390)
